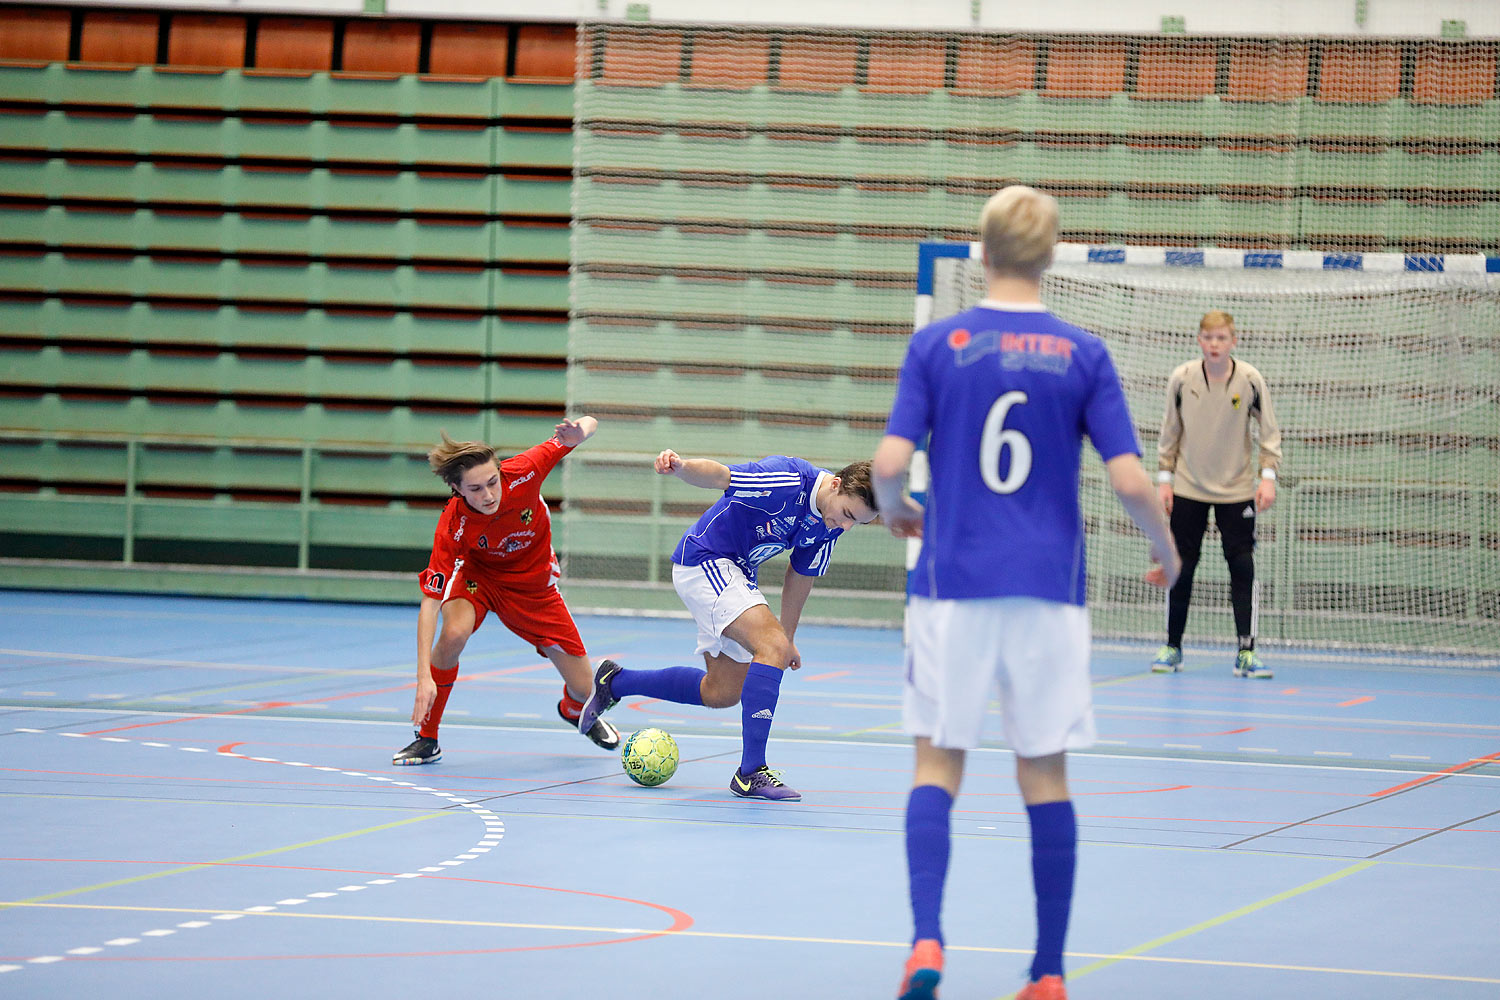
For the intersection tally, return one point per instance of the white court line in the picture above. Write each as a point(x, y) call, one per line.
point(901, 746)
point(494, 831)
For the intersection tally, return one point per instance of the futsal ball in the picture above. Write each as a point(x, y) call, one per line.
point(649, 756)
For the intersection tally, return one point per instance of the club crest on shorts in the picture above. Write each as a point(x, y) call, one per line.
point(472, 586)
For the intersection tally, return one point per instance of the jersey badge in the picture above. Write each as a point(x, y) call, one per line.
point(1042, 352)
point(515, 541)
point(527, 515)
point(1234, 401)
point(483, 542)
point(761, 553)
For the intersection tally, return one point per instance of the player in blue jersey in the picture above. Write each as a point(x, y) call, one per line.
point(1007, 393)
point(773, 505)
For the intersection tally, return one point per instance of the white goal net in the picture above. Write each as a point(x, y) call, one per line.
point(1384, 371)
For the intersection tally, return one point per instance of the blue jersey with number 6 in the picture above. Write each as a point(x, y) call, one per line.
point(1008, 395)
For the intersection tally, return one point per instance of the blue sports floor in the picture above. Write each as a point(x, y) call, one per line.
point(197, 800)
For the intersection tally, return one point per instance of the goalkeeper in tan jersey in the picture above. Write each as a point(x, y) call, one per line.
point(1207, 460)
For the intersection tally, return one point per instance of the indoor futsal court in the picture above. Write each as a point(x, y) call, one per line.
point(199, 802)
point(266, 266)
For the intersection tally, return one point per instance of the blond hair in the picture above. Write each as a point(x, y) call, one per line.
point(1018, 228)
point(451, 459)
point(1216, 317)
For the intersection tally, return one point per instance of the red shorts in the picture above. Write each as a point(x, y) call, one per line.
point(534, 610)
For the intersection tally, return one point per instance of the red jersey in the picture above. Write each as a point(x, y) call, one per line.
point(514, 543)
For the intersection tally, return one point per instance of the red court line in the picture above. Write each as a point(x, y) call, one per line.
point(1177, 736)
point(1353, 726)
point(1435, 775)
point(1356, 701)
point(681, 921)
point(263, 706)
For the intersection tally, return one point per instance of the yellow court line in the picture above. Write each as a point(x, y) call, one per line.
point(873, 729)
point(1223, 918)
point(41, 900)
point(778, 938)
point(1125, 679)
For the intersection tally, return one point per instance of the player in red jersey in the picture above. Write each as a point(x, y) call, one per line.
point(492, 552)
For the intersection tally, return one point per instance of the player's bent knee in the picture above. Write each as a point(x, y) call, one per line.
point(774, 650)
point(720, 691)
point(451, 640)
point(720, 699)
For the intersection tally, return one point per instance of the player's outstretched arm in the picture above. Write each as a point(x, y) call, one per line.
point(1127, 477)
point(704, 473)
point(572, 433)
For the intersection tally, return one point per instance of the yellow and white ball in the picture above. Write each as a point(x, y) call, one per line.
point(649, 756)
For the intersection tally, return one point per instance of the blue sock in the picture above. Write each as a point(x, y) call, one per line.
point(678, 684)
point(757, 710)
point(1054, 852)
point(927, 857)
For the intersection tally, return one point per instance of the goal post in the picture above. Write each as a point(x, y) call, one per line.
point(1384, 370)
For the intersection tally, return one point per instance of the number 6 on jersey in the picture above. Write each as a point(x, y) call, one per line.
point(996, 439)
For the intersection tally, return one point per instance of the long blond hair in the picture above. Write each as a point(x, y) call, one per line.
point(451, 459)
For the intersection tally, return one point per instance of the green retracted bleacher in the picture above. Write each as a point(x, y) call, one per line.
point(250, 268)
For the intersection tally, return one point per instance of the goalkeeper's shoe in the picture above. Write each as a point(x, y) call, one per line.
point(1168, 660)
point(604, 735)
point(1248, 664)
point(600, 700)
point(422, 750)
point(923, 971)
point(1046, 988)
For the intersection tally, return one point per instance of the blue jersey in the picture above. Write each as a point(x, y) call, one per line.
point(767, 508)
point(1008, 396)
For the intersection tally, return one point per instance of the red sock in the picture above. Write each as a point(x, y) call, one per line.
point(571, 706)
point(444, 680)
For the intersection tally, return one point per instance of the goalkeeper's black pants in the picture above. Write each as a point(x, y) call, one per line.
point(1236, 524)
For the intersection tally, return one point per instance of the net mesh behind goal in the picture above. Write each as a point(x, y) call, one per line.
point(747, 200)
point(1387, 521)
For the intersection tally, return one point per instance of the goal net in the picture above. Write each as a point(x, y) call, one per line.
point(1383, 372)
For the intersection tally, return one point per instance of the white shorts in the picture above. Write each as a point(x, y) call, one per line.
point(717, 593)
point(1036, 652)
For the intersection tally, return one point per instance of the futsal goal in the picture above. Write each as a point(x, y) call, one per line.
point(1384, 370)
